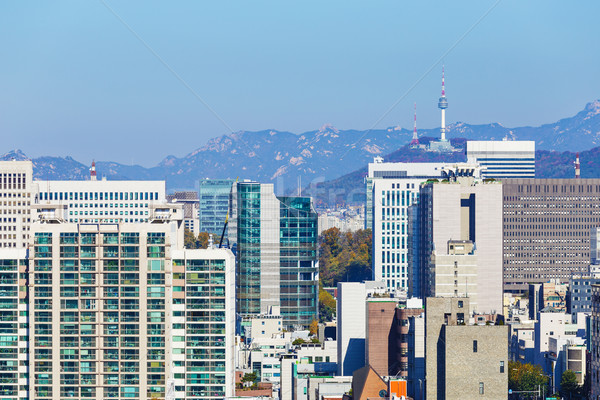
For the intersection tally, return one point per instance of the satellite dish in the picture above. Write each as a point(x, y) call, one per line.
point(383, 393)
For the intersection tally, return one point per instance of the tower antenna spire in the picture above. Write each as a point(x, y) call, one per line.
point(415, 138)
point(442, 105)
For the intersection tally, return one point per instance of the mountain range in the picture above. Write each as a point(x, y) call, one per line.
point(323, 155)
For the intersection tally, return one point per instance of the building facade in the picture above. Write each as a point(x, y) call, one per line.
point(594, 345)
point(501, 159)
point(121, 310)
point(190, 209)
point(463, 210)
point(392, 188)
point(547, 225)
point(463, 361)
point(14, 358)
point(17, 193)
point(275, 240)
point(213, 195)
point(102, 201)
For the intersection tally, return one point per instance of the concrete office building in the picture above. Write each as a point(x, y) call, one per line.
point(17, 193)
point(275, 240)
point(454, 272)
point(102, 201)
point(391, 190)
point(579, 296)
point(213, 195)
point(547, 226)
point(501, 159)
point(463, 210)
point(190, 209)
point(463, 361)
point(122, 310)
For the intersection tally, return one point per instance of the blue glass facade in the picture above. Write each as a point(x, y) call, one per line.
point(213, 195)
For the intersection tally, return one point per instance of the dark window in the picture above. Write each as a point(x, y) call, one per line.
point(474, 346)
point(460, 304)
point(501, 367)
point(480, 387)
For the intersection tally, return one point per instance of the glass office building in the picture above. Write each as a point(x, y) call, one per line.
point(213, 195)
point(276, 253)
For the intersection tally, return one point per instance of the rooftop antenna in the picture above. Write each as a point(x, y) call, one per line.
point(577, 167)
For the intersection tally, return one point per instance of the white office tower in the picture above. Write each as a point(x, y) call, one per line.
point(122, 310)
point(351, 324)
point(503, 158)
point(16, 196)
point(103, 201)
point(391, 189)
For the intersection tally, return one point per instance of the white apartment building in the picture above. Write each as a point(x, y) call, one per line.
point(123, 310)
point(503, 158)
point(103, 201)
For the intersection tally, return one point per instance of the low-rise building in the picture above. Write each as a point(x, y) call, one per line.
point(463, 360)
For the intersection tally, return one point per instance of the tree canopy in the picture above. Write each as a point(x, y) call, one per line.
point(569, 386)
point(344, 256)
point(526, 377)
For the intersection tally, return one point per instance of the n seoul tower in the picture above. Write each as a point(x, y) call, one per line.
point(442, 105)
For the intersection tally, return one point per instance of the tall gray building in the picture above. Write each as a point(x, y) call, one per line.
point(547, 226)
point(462, 210)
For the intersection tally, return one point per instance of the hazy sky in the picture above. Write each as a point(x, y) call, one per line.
point(74, 80)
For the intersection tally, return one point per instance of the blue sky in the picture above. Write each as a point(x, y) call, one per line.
point(75, 81)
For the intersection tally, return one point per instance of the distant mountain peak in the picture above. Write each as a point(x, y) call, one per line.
point(593, 107)
point(16, 154)
point(328, 128)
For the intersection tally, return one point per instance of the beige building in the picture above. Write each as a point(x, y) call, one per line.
point(547, 225)
point(463, 361)
point(123, 310)
point(454, 271)
point(462, 210)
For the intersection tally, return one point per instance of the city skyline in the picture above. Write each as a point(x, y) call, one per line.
point(77, 76)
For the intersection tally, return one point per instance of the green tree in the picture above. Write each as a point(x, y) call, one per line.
point(189, 240)
point(569, 387)
point(327, 306)
point(203, 240)
point(526, 377)
point(298, 341)
point(249, 377)
point(344, 256)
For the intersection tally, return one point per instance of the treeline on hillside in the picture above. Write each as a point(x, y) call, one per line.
point(344, 256)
